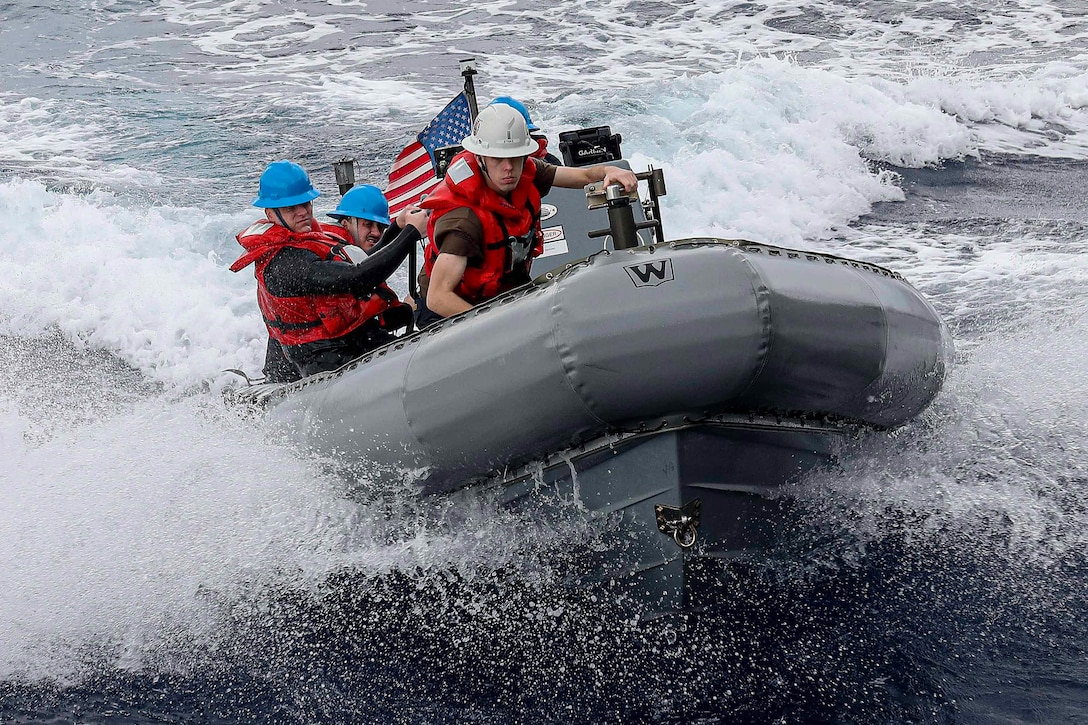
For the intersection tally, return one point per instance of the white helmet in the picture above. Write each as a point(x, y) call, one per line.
point(499, 132)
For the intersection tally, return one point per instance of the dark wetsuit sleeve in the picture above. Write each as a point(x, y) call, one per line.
point(295, 272)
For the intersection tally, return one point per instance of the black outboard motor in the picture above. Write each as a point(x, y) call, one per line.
point(588, 146)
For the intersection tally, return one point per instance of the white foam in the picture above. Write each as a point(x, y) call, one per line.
point(130, 541)
point(121, 533)
point(780, 152)
point(146, 284)
point(619, 44)
point(13, 427)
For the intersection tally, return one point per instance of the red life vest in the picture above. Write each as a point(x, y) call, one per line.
point(507, 224)
point(298, 320)
point(541, 148)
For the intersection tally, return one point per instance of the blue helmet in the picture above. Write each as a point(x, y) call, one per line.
point(363, 202)
point(284, 183)
point(519, 107)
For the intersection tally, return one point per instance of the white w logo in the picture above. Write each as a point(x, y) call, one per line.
point(650, 274)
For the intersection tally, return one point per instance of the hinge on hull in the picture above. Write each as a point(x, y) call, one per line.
point(682, 524)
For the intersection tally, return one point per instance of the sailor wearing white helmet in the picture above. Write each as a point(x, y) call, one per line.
point(484, 227)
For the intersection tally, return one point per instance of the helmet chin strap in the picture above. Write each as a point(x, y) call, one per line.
point(283, 222)
point(483, 168)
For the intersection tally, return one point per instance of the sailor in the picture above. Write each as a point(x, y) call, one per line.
point(364, 213)
point(321, 309)
point(542, 152)
point(484, 227)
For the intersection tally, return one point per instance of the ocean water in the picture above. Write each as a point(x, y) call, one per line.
point(166, 559)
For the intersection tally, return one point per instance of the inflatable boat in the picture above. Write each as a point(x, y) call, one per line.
point(673, 385)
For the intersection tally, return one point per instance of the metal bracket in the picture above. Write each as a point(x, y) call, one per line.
point(680, 523)
point(596, 198)
point(621, 222)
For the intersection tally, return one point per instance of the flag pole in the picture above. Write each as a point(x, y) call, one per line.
point(468, 69)
point(413, 284)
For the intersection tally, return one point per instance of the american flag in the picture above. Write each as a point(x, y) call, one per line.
point(412, 174)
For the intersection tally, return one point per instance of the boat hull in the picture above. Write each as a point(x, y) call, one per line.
point(732, 469)
point(680, 331)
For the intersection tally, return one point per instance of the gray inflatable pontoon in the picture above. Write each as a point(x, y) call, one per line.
point(673, 384)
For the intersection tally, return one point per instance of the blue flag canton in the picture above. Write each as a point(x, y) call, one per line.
point(449, 127)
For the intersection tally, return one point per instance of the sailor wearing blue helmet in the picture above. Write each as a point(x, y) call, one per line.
point(364, 213)
point(541, 152)
point(520, 108)
point(286, 193)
